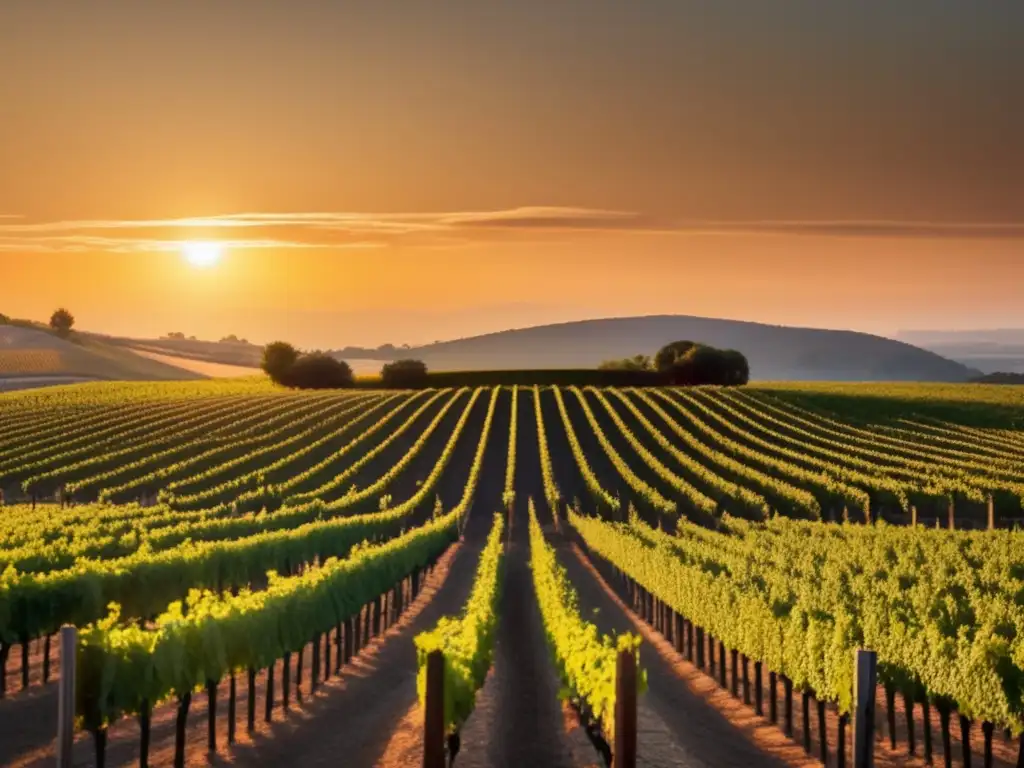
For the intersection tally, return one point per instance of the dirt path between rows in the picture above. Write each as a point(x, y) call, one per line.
point(518, 719)
point(679, 723)
point(529, 725)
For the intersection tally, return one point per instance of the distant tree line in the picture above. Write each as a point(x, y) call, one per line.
point(689, 363)
point(1000, 377)
point(679, 363)
point(229, 339)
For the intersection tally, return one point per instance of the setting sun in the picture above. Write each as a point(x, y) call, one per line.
point(201, 254)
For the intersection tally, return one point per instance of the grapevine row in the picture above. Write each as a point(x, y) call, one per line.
point(586, 660)
point(467, 642)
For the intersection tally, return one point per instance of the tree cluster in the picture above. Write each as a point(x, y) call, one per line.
point(287, 366)
point(1000, 377)
point(688, 363)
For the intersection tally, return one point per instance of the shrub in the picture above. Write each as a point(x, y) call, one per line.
point(404, 374)
point(278, 359)
point(635, 363)
point(671, 354)
point(319, 371)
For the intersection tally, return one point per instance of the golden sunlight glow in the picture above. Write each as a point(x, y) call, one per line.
point(201, 254)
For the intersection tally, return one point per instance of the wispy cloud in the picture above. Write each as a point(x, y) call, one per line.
point(299, 230)
point(861, 228)
point(333, 229)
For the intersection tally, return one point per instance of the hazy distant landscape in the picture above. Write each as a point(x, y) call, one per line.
point(776, 353)
point(987, 350)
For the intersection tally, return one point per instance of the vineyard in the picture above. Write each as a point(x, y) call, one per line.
point(516, 575)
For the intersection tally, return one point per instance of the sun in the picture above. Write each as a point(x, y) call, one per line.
point(201, 253)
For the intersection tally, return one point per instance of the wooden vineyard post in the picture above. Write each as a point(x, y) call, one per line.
point(773, 697)
point(952, 514)
point(433, 714)
point(991, 513)
point(758, 690)
point(46, 659)
point(805, 700)
point(787, 689)
point(624, 748)
point(66, 697)
point(250, 712)
point(145, 723)
point(211, 715)
point(864, 683)
point(232, 711)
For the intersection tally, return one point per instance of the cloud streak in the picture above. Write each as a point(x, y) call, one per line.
point(862, 228)
point(341, 230)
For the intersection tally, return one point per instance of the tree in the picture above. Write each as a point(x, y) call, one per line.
point(62, 322)
point(701, 365)
point(4, 319)
point(737, 368)
point(671, 354)
point(278, 359)
point(176, 336)
point(688, 363)
point(319, 371)
point(404, 374)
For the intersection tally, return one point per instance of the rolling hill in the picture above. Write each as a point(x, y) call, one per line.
point(36, 356)
point(239, 354)
point(774, 352)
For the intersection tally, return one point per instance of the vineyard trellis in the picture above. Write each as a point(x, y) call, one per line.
point(201, 511)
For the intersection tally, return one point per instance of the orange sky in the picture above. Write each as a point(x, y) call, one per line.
point(466, 167)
